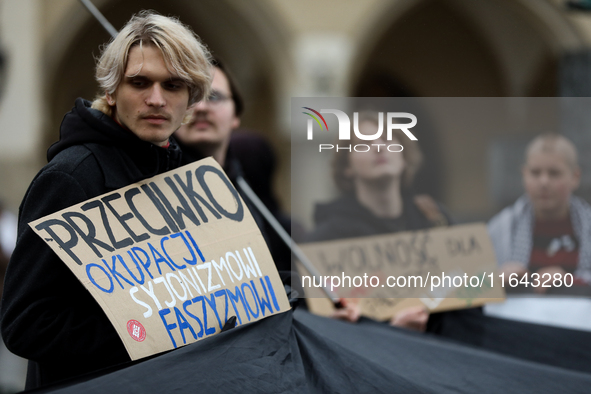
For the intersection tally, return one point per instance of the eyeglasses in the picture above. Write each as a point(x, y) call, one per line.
point(216, 97)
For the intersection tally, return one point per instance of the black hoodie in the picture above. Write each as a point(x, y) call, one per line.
point(345, 217)
point(47, 314)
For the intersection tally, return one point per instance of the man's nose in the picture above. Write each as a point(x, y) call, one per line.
point(156, 96)
point(544, 178)
point(201, 105)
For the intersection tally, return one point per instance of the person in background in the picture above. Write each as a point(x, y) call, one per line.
point(212, 121)
point(547, 230)
point(377, 198)
point(209, 133)
point(149, 75)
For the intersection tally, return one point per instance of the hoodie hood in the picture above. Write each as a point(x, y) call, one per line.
point(84, 125)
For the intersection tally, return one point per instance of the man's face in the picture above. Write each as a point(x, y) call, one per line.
point(213, 120)
point(549, 182)
point(150, 101)
point(374, 166)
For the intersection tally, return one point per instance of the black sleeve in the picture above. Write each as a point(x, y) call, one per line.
point(46, 313)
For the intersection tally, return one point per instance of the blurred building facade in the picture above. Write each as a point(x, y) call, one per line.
point(280, 49)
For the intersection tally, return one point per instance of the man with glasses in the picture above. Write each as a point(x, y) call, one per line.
point(209, 131)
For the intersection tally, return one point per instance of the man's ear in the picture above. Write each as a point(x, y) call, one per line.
point(110, 100)
point(235, 123)
point(576, 178)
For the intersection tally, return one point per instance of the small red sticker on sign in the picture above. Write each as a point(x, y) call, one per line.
point(136, 330)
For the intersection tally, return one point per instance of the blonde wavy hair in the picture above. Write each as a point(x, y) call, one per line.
point(413, 158)
point(183, 52)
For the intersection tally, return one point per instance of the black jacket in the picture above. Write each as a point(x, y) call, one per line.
point(47, 316)
point(345, 217)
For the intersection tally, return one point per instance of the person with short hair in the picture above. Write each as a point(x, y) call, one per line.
point(212, 121)
point(376, 189)
point(149, 76)
point(547, 230)
point(377, 199)
point(210, 132)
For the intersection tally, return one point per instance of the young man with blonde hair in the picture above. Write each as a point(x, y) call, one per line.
point(548, 230)
point(149, 76)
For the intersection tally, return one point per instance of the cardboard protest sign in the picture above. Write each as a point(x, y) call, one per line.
point(169, 259)
point(387, 273)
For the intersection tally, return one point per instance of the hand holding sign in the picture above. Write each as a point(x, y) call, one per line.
point(441, 269)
